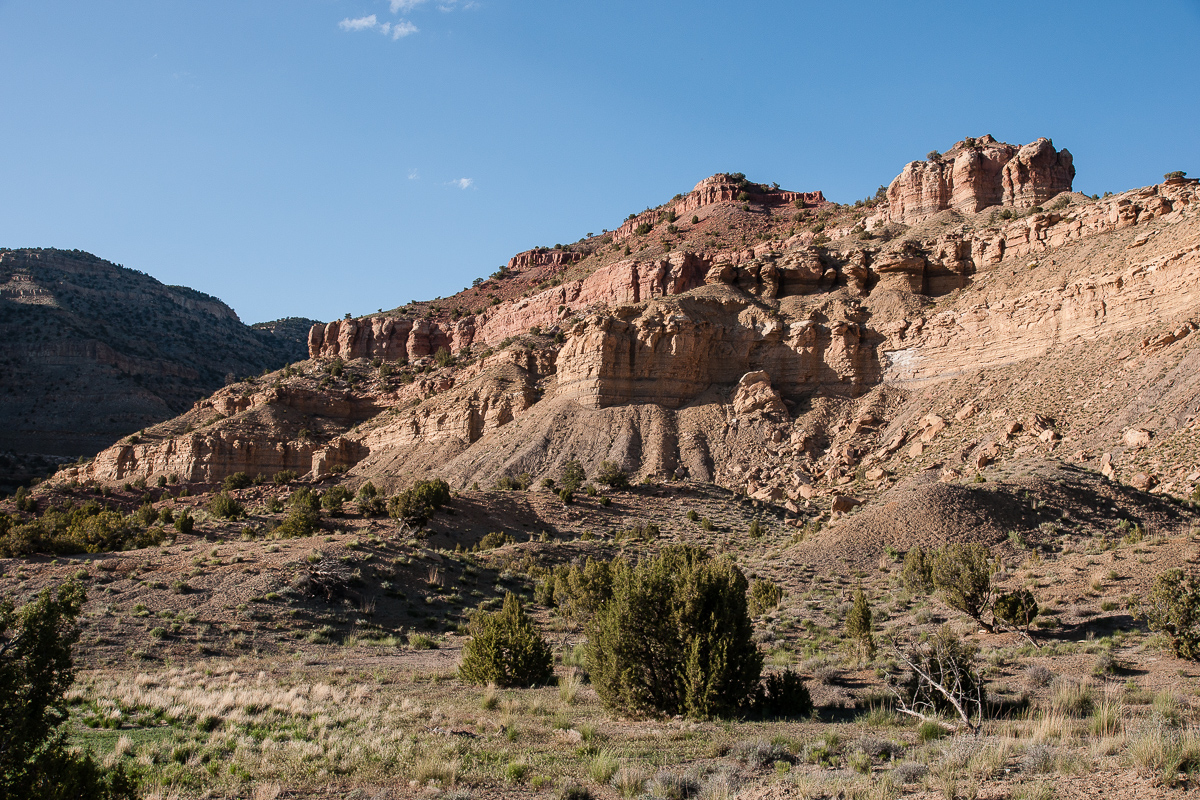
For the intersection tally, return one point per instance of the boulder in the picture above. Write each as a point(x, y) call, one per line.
point(1106, 467)
point(768, 494)
point(932, 425)
point(842, 503)
point(1143, 481)
point(754, 394)
point(967, 411)
point(1136, 437)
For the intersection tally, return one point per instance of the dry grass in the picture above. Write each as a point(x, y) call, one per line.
point(569, 686)
point(1165, 752)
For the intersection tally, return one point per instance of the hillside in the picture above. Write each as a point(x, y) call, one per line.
point(93, 351)
point(767, 341)
point(976, 355)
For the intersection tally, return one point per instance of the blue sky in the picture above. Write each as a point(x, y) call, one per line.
point(317, 157)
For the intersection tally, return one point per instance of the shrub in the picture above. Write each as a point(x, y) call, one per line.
point(695, 219)
point(1038, 675)
point(756, 529)
point(1016, 609)
point(1174, 175)
point(443, 357)
point(643, 229)
point(370, 504)
point(962, 573)
point(224, 506)
point(566, 496)
point(918, 572)
point(573, 791)
point(284, 477)
point(83, 529)
point(300, 521)
point(910, 772)
point(764, 596)
point(572, 476)
point(184, 523)
point(416, 504)
point(580, 591)
point(24, 502)
point(675, 638)
point(146, 514)
point(612, 476)
point(506, 649)
point(333, 499)
point(858, 625)
point(493, 540)
point(933, 155)
point(238, 480)
point(783, 694)
point(1172, 608)
point(36, 669)
point(519, 483)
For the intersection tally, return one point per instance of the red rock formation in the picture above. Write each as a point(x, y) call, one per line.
point(1036, 174)
point(653, 370)
point(720, 188)
point(543, 257)
point(976, 174)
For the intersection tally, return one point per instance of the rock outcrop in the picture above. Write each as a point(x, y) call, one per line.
point(715, 190)
point(754, 394)
point(543, 257)
point(1037, 173)
point(1029, 324)
point(977, 174)
point(670, 353)
point(785, 369)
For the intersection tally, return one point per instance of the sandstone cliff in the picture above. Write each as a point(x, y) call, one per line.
point(777, 366)
point(977, 174)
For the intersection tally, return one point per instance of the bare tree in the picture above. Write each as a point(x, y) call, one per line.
point(941, 678)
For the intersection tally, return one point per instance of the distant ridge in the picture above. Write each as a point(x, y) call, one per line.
point(92, 351)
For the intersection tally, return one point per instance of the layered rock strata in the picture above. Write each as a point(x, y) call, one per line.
point(977, 174)
point(782, 369)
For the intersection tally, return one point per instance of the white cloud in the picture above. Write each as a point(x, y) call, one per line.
point(403, 28)
point(396, 30)
point(463, 183)
point(359, 24)
point(404, 5)
point(413, 175)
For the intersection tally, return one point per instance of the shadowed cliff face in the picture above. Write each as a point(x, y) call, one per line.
point(92, 351)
